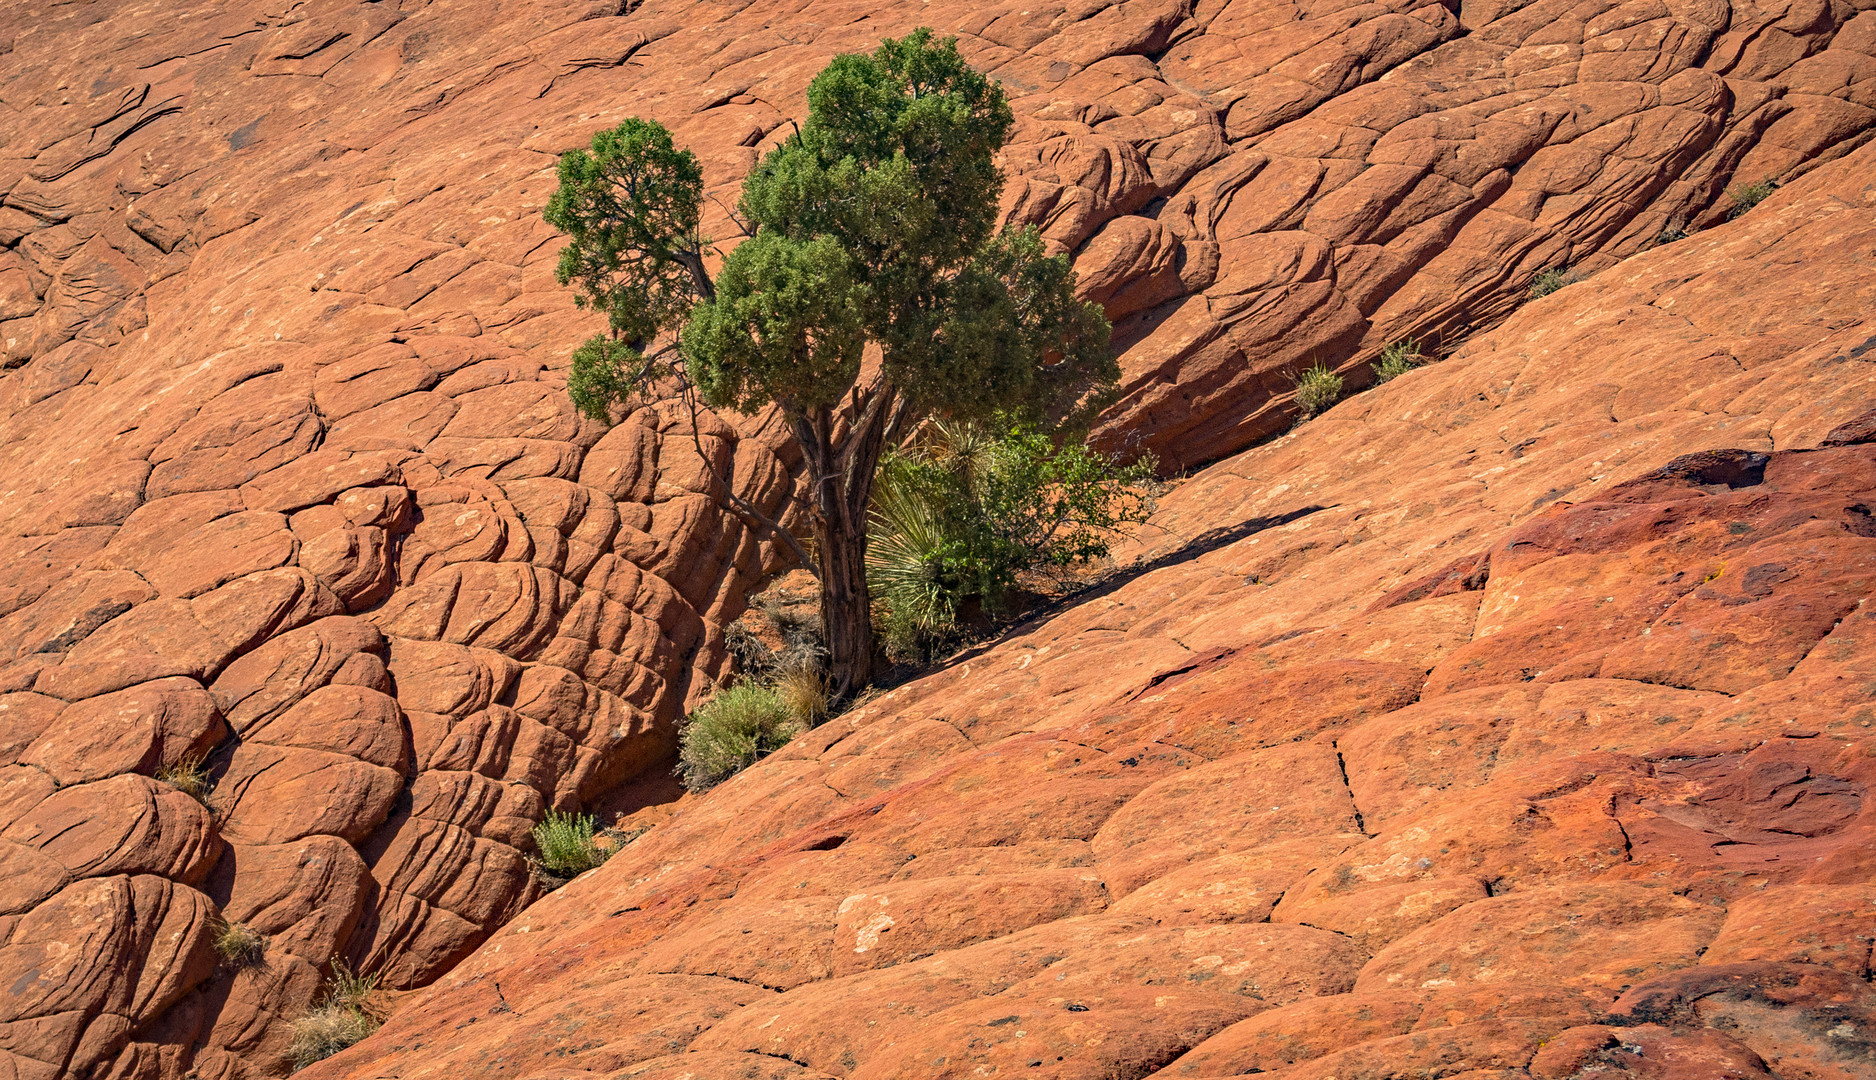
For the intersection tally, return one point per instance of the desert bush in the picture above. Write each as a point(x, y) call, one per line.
point(238, 944)
point(340, 1018)
point(1397, 359)
point(1745, 196)
point(567, 847)
point(190, 777)
point(967, 509)
point(732, 731)
point(1553, 279)
point(1317, 388)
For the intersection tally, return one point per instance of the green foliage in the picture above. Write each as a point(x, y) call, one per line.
point(784, 328)
point(732, 731)
point(1745, 196)
point(1317, 388)
point(238, 944)
point(1397, 359)
point(566, 844)
point(875, 223)
point(959, 516)
point(894, 174)
point(631, 205)
point(340, 1018)
point(1553, 279)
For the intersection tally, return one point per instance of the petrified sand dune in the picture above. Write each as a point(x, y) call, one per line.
point(292, 480)
point(1513, 719)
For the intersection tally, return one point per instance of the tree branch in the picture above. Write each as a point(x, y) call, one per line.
point(738, 504)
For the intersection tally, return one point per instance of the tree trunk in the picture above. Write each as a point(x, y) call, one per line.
point(846, 609)
point(841, 480)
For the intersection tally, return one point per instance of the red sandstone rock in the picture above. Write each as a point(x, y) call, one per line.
point(288, 450)
point(1466, 868)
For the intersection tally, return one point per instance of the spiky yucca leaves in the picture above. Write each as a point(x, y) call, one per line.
point(969, 508)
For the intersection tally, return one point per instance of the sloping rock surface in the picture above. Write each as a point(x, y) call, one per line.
point(292, 481)
point(1514, 719)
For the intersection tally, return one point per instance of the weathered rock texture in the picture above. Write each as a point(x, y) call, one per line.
point(291, 481)
point(1514, 719)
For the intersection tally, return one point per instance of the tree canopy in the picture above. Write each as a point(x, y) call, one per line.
point(874, 223)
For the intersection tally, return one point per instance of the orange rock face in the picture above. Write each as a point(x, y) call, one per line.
point(1512, 720)
point(293, 483)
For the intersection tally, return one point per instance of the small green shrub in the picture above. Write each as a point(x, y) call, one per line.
point(1553, 279)
point(340, 1018)
point(1745, 196)
point(732, 731)
point(238, 944)
point(1397, 360)
point(1317, 388)
point(190, 777)
point(566, 844)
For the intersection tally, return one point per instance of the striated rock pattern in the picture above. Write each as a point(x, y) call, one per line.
point(292, 481)
point(1512, 720)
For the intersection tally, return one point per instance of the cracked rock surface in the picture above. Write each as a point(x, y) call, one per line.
point(1513, 720)
point(292, 484)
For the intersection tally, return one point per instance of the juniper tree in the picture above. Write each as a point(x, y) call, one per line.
point(874, 223)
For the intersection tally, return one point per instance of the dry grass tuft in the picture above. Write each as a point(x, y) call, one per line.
point(342, 1017)
point(238, 944)
point(190, 777)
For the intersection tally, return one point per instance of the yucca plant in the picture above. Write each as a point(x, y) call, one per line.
point(906, 562)
point(966, 509)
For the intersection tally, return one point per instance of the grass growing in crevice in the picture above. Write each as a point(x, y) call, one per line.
point(190, 776)
point(1553, 279)
point(1317, 388)
point(1397, 359)
point(342, 1016)
point(567, 846)
point(1745, 196)
point(238, 944)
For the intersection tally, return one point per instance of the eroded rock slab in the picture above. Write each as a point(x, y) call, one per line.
point(292, 482)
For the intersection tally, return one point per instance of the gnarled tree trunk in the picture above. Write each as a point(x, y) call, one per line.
point(840, 480)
